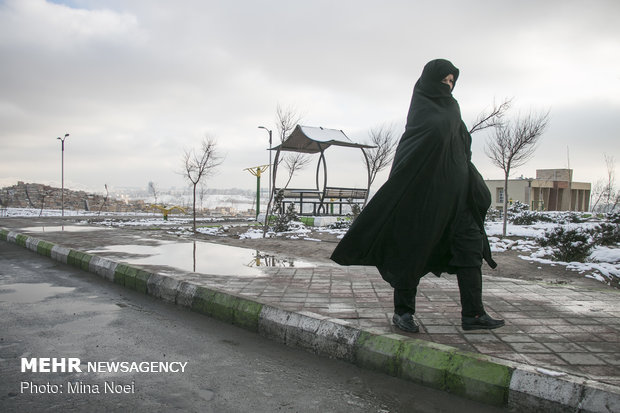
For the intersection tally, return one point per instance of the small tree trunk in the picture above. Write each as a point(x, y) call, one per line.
point(505, 203)
point(194, 207)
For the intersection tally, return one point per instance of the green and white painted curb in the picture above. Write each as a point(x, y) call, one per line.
point(475, 376)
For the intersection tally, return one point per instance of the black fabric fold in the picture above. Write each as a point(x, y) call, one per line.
point(407, 229)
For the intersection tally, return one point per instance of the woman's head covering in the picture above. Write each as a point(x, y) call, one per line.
point(430, 95)
point(434, 72)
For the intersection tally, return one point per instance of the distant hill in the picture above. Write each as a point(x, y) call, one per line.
point(39, 196)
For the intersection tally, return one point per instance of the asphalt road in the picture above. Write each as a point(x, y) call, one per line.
point(51, 310)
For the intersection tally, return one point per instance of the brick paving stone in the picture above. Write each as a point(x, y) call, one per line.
point(612, 338)
point(447, 338)
point(611, 358)
point(565, 347)
point(581, 359)
point(548, 337)
point(530, 347)
point(514, 338)
point(598, 329)
point(537, 329)
point(546, 359)
point(491, 348)
point(512, 356)
point(481, 338)
point(440, 329)
point(511, 329)
point(464, 347)
point(600, 347)
point(567, 329)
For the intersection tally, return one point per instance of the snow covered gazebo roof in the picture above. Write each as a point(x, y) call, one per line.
point(310, 139)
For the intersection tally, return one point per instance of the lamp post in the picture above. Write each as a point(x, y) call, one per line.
point(62, 191)
point(268, 130)
point(257, 172)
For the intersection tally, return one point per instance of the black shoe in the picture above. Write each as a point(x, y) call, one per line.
point(405, 322)
point(483, 322)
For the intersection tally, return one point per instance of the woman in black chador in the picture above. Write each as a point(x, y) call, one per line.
point(429, 215)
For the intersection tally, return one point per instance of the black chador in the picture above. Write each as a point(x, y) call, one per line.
point(429, 214)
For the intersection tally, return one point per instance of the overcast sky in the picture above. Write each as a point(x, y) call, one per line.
point(137, 82)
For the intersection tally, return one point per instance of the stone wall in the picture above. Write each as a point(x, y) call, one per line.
point(25, 195)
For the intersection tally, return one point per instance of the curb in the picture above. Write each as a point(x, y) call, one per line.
point(471, 375)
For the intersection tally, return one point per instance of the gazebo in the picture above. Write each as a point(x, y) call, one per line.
point(313, 140)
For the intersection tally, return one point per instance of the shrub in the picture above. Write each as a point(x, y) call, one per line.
point(571, 217)
point(613, 217)
point(355, 208)
point(606, 234)
point(517, 207)
point(525, 218)
point(493, 214)
point(573, 244)
point(283, 216)
point(341, 224)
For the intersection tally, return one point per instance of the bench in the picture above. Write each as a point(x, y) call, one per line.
point(341, 196)
point(323, 202)
point(301, 197)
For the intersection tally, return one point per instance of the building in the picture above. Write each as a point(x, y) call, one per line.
point(551, 190)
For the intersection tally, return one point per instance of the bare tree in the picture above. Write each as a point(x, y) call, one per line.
point(492, 119)
point(199, 164)
point(153, 190)
point(597, 193)
point(605, 190)
point(286, 120)
point(611, 193)
point(295, 162)
point(202, 192)
point(513, 144)
point(105, 198)
point(384, 140)
point(44, 193)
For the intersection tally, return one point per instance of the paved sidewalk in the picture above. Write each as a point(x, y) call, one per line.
point(558, 331)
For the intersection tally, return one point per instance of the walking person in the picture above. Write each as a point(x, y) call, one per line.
point(429, 214)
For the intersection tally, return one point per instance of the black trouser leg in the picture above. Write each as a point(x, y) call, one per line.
point(404, 299)
point(470, 287)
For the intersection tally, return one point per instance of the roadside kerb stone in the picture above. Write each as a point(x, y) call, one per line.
point(185, 296)
point(44, 248)
point(60, 253)
point(103, 267)
point(157, 285)
point(471, 375)
point(313, 332)
point(561, 392)
point(32, 244)
point(226, 307)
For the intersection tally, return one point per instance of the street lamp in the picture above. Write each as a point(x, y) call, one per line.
point(268, 130)
point(62, 192)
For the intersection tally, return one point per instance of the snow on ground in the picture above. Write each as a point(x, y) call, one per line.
point(35, 212)
point(603, 263)
point(529, 231)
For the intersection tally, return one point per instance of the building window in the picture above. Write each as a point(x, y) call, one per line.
point(500, 195)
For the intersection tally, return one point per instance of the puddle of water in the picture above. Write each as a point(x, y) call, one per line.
point(62, 228)
point(30, 293)
point(201, 257)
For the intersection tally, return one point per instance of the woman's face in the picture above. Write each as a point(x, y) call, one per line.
point(449, 80)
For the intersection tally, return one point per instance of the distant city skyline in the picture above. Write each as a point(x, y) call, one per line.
point(136, 83)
